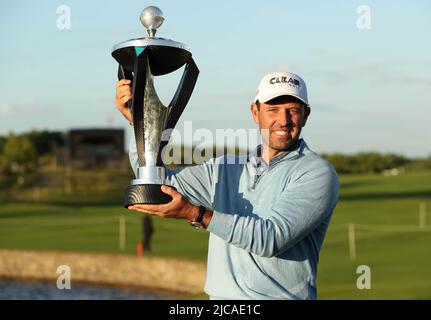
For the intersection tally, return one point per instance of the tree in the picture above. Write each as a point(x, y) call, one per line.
point(428, 162)
point(19, 154)
point(2, 143)
point(365, 162)
point(46, 142)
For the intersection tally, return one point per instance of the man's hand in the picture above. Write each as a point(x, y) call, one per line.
point(122, 95)
point(179, 207)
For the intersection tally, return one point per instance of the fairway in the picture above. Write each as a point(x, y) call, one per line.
point(400, 260)
point(93, 229)
point(383, 210)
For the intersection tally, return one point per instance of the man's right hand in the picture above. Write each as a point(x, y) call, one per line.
point(122, 95)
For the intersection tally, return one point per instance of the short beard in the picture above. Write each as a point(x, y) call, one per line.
point(266, 140)
point(285, 147)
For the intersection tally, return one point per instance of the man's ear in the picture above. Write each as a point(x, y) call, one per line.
point(255, 112)
point(307, 111)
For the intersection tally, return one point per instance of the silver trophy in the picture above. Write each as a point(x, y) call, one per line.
point(140, 60)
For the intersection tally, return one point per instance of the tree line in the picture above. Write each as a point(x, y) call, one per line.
point(373, 162)
point(20, 153)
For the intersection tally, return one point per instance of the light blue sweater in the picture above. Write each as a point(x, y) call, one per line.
point(266, 230)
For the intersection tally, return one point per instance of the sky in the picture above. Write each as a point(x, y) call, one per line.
point(368, 80)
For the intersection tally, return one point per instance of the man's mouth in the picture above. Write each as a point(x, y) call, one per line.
point(282, 132)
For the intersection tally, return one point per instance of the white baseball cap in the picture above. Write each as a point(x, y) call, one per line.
point(278, 84)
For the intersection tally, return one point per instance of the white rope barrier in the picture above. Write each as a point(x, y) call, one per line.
point(382, 227)
point(352, 241)
point(352, 228)
point(391, 228)
point(71, 222)
point(122, 233)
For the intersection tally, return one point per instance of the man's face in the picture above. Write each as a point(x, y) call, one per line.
point(280, 121)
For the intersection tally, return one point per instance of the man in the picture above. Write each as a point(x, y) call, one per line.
point(268, 213)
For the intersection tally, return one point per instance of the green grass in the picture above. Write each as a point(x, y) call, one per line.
point(400, 262)
point(93, 229)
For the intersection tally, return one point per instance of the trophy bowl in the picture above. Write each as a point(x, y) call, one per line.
point(140, 60)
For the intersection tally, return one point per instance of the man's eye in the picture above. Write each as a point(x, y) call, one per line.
point(294, 111)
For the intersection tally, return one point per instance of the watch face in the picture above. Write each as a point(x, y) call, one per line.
point(196, 224)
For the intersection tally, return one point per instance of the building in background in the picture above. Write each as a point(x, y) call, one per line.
point(96, 147)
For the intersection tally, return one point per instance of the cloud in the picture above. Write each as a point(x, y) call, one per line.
point(341, 66)
point(25, 105)
point(407, 78)
point(382, 75)
point(5, 110)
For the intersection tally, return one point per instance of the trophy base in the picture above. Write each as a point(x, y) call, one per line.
point(145, 194)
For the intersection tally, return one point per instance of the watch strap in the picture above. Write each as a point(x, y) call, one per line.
point(197, 222)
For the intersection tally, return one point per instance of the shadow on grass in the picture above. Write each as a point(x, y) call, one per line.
point(358, 183)
point(72, 201)
point(21, 207)
point(373, 196)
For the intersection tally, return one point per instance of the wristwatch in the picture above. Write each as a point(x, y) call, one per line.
point(197, 221)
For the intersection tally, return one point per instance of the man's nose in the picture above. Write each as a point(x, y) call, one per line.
point(284, 118)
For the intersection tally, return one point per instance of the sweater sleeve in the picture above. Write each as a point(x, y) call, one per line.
point(302, 207)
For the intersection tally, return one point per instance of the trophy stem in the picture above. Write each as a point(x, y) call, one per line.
point(139, 83)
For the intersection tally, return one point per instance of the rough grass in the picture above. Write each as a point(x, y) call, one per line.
point(400, 261)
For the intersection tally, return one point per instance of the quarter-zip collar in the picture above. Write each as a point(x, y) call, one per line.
point(255, 157)
point(261, 167)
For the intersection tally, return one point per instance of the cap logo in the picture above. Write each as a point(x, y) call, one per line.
point(292, 82)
